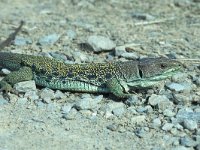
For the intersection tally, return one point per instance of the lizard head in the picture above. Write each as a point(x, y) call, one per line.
point(156, 69)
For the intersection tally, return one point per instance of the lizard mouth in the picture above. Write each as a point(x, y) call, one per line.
point(164, 75)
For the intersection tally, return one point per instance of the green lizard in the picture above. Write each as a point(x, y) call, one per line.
point(117, 78)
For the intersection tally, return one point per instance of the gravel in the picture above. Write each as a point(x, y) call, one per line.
point(162, 117)
point(100, 43)
point(49, 39)
point(25, 86)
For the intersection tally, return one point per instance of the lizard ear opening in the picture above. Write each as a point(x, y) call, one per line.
point(140, 73)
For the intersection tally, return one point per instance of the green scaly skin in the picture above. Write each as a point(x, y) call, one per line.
point(116, 77)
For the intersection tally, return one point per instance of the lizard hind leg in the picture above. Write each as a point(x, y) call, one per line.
point(23, 74)
point(117, 89)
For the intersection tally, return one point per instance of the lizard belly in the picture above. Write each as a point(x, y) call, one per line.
point(69, 85)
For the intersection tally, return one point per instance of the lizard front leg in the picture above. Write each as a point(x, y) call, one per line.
point(117, 89)
point(23, 74)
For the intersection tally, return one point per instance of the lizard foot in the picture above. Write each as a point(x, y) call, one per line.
point(7, 88)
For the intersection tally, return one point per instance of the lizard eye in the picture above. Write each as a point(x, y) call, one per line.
point(163, 66)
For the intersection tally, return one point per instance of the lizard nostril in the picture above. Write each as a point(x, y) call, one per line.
point(140, 73)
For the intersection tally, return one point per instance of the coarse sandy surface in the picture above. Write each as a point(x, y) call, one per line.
point(147, 29)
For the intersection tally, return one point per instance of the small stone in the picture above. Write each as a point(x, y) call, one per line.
point(5, 71)
point(119, 50)
point(132, 100)
point(161, 100)
point(167, 126)
point(155, 99)
point(71, 34)
point(168, 113)
point(138, 119)
point(187, 141)
point(179, 77)
point(130, 55)
point(53, 107)
point(182, 99)
point(80, 56)
point(40, 104)
point(100, 43)
point(142, 110)
point(20, 41)
point(141, 133)
point(3, 101)
point(47, 94)
point(66, 109)
point(190, 124)
point(142, 16)
point(179, 87)
point(112, 127)
point(25, 86)
point(156, 123)
point(32, 95)
point(22, 101)
point(184, 114)
point(118, 111)
point(49, 39)
point(59, 94)
point(70, 115)
point(165, 104)
point(88, 102)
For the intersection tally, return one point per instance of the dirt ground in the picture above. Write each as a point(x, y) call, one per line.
point(152, 28)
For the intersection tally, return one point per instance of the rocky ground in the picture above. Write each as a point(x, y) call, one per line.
point(85, 31)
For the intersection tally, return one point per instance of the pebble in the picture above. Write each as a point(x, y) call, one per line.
point(3, 101)
point(156, 123)
point(59, 95)
point(130, 55)
point(22, 101)
point(155, 99)
point(138, 119)
point(87, 102)
point(179, 87)
point(119, 50)
point(118, 111)
point(20, 41)
point(66, 109)
point(47, 94)
point(182, 99)
point(167, 126)
point(100, 43)
point(32, 95)
point(79, 57)
point(190, 124)
point(168, 113)
point(133, 100)
point(164, 104)
point(183, 115)
point(142, 16)
point(71, 34)
point(25, 86)
point(161, 100)
point(141, 133)
point(187, 141)
point(70, 115)
point(49, 39)
point(179, 77)
point(112, 127)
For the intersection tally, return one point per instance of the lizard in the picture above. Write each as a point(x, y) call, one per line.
point(117, 78)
